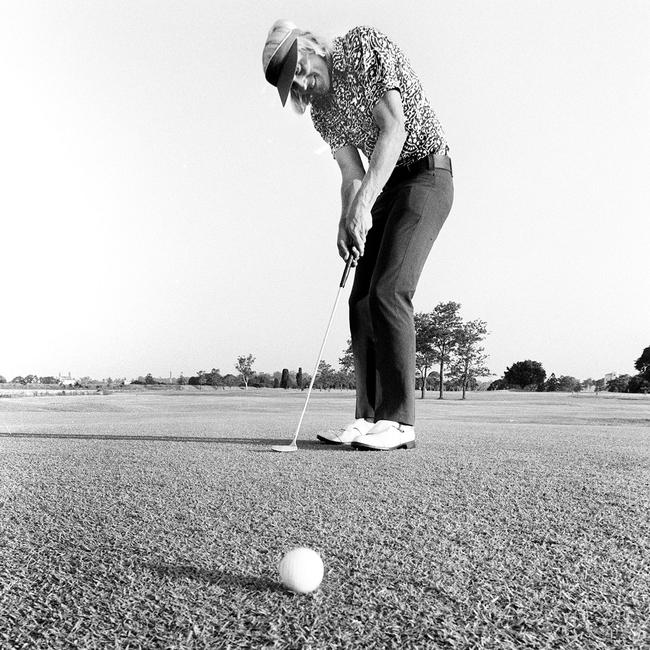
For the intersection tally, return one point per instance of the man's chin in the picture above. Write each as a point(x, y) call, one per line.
point(318, 92)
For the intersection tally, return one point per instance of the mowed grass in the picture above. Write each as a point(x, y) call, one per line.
point(158, 521)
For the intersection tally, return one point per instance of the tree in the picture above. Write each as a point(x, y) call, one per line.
point(200, 379)
point(587, 384)
point(642, 364)
point(552, 384)
point(525, 374)
point(568, 384)
point(214, 378)
point(498, 384)
point(149, 380)
point(638, 384)
point(2, 380)
point(469, 356)
point(346, 377)
point(262, 380)
point(230, 380)
point(325, 377)
point(346, 362)
point(438, 334)
point(245, 366)
point(619, 384)
point(424, 354)
point(284, 380)
point(299, 378)
point(343, 379)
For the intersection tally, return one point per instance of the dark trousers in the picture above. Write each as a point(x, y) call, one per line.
point(406, 220)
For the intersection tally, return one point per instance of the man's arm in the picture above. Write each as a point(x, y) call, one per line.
point(361, 192)
point(352, 175)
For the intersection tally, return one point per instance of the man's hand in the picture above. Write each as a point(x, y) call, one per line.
point(342, 242)
point(358, 222)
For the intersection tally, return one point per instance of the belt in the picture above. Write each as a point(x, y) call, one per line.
point(432, 161)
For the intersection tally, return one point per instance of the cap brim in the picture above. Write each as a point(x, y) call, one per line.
point(288, 72)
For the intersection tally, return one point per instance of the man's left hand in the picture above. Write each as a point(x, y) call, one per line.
point(358, 223)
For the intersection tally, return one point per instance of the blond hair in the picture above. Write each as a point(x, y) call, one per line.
point(308, 43)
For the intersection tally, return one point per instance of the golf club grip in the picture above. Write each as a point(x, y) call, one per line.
point(346, 272)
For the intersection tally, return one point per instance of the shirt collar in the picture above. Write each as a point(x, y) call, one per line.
point(338, 60)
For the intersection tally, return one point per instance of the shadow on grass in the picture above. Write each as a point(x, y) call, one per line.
point(215, 577)
point(267, 443)
point(100, 436)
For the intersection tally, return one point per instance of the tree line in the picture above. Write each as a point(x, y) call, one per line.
point(449, 356)
point(48, 380)
point(530, 375)
point(443, 341)
point(326, 378)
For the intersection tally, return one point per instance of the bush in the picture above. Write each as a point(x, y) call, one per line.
point(529, 375)
point(638, 384)
point(619, 385)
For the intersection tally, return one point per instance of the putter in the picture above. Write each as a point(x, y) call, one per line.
point(292, 445)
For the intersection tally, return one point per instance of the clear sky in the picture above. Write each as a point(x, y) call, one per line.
point(160, 212)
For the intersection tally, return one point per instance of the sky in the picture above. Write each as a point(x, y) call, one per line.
point(160, 212)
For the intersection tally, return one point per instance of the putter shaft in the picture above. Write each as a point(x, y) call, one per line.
point(344, 278)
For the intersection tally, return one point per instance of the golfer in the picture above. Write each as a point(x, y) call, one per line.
point(364, 98)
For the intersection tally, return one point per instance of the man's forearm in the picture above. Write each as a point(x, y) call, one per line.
point(384, 157)
point(349, 190)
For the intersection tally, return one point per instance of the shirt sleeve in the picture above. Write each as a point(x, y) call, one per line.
point(333, 137)
point(378, 64)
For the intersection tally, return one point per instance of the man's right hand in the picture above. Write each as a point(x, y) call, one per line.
point(343, 244)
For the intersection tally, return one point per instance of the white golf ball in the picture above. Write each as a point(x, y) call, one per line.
point(301, 570)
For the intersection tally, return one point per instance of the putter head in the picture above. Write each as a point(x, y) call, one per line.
point(285, 448)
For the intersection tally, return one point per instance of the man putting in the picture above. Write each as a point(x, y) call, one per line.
point(364, 97)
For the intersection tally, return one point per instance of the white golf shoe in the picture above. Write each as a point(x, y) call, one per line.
point(386, 435)
point(350, 433)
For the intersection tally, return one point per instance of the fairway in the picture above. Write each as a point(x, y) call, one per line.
point(158, 519)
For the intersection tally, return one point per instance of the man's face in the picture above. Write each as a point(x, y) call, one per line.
point(312, 76)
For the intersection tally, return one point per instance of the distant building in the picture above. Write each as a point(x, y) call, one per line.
point(610, 376)
point(67, 381)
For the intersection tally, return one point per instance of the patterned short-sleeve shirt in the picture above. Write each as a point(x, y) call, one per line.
point(365, 65)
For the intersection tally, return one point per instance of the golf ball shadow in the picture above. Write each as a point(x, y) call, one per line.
point(224, 579)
